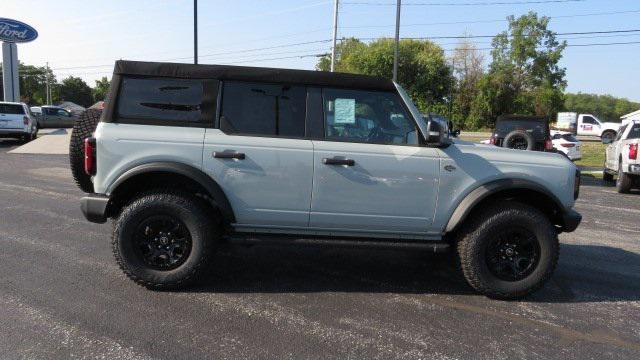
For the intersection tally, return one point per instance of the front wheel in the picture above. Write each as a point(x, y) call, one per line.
point(164, 239)
point(508, 250)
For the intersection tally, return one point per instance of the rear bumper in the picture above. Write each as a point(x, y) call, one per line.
point(570, 220)
point(12, 133)
point(94, 207)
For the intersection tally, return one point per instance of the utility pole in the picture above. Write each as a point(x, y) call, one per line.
point(453, 84)
point(335, 35)
point(48, 88)
point(195, 31)
point(395, 53)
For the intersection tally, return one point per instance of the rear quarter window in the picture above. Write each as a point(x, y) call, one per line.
point(11, 109)
point(161, 100)
point(634, 133)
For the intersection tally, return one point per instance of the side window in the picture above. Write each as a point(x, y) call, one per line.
point(634, 133)
point(367, 117)
point(589, 120)
point(263, 109)
point(50, 111)
point(61, 112)
point(161, 100)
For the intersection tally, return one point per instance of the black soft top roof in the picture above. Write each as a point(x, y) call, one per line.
point(257, 74)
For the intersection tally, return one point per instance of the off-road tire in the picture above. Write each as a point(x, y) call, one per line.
point(606, 176)
point(522, 134)
point(624, 181)
point(82, 129)
point(474, 238)
point(202, 223)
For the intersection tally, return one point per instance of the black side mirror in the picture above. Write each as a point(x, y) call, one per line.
point(437, 134)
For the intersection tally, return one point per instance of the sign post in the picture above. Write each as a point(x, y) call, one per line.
point(12, 32)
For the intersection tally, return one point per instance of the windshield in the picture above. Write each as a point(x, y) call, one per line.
point(413, 109)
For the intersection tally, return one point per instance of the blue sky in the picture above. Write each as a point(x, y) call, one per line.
point(84, 38)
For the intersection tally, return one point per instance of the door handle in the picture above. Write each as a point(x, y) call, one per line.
point(228, 155)
point(336, 161)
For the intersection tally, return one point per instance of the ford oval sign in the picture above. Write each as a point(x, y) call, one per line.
point(16, 32)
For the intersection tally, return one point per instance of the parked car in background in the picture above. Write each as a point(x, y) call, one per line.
point(55, 117)
point(566, 143)
point(36, 110)
point(621, 157)
point(16, 121)
point(587, 125)
point(522, 132)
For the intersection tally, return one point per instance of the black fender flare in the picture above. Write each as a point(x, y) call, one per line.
point(483, 191)
point(213, 188)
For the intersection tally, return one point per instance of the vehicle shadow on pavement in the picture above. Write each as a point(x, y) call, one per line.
point(299, 269)
point(6, 143)
point(585, 273)
point(593, 273)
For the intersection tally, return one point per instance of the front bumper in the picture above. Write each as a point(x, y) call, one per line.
point(94, 207)
point(570, 220)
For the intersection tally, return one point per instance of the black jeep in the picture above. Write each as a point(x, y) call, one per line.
point(522, 133)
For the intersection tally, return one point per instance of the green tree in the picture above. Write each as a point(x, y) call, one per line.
point(33, 83)
point(468, 65)
point(524, 76)
point(102, 89)
point(422, 67)
point(74, 89)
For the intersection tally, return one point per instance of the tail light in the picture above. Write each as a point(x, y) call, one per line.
point(568, 145)
point(25, 120)
point(548, 144)
point(633, 151)
point(492, 140)
point(90, 156)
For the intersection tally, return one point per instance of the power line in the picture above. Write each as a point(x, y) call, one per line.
point(490, 21)
point(484, 3)
point(492, 36)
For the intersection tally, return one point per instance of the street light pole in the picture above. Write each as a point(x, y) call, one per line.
point(195, 31)
point(335, 34)
point(395, 53)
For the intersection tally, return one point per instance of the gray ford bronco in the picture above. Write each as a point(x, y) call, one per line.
point(186, 157)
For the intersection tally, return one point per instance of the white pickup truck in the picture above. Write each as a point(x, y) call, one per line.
point(621, 157)
point(587, 124)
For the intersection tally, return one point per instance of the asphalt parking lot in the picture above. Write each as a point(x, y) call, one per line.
point(62, 295)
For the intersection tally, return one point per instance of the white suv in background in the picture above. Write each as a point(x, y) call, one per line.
point(567, 144)
point(16, 121)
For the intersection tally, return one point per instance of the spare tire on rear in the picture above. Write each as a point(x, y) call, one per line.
point(519, 139)
point(82, 129)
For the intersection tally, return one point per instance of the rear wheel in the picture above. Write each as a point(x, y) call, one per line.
point(624, 182)
point(82, 129)
point(164, 239)
point(508, 251)
point(608, 135)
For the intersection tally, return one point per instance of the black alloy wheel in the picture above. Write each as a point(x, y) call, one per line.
point(162, 242)
point(512, 254)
